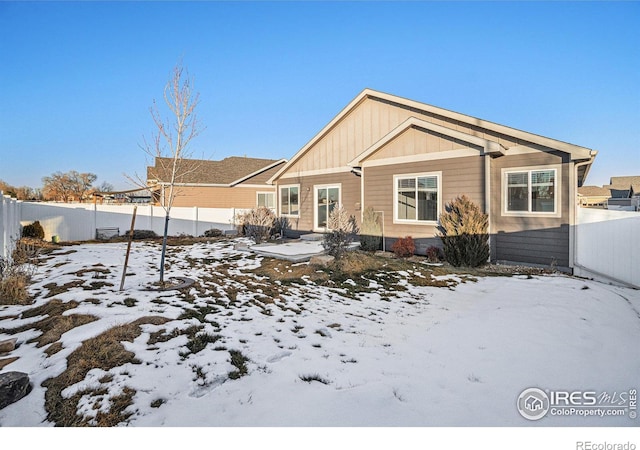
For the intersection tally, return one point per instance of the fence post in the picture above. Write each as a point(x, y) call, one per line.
point(3, 250)
point(95, 220)
point(195, 221)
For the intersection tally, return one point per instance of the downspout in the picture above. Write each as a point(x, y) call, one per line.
point(573, 212)
point(487, 199)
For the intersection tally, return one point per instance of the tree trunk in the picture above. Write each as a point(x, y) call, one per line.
point(164, 246)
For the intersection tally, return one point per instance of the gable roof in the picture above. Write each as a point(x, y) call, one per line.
point(488, 146)
point(576, 152)
point(624, 182)
point(227, 172)
point(594, 191)
point(624, 187)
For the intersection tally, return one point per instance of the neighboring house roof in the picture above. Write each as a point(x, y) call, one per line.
point(227, 172)
point(576, 152)
point(624, 187)
point(594, 191)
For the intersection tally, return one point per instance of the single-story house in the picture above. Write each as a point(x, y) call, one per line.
point(624, 187)
point(625, 193)
point(234, 182)
point(593, 196)
point(406, 159)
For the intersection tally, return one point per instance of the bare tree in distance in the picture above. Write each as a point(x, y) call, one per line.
point(67, 186)
point(169, 147)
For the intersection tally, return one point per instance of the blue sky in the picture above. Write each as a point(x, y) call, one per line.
point(77, 78)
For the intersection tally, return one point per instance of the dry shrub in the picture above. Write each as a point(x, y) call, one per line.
point(371, 231)
point(16, 273)
point(14, 289)
point(342, 230)
point(256, 223)
point(404, 247)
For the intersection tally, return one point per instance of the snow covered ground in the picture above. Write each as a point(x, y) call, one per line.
point(328, 355)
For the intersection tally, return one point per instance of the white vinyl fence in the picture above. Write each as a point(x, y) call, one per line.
point(79, 222)
point(9, 224)
point(608, 244)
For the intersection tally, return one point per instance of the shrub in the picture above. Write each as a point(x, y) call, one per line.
point(142, 234)
point(371, 231)
point(33, 230)
point(280, 226)
point(464, 232)
point(342, 230)
point(404, 247)
point(434, 254)
point(256, 223)
point(213, 232)
point(15, 275)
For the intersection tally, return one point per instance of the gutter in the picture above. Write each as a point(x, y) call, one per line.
point(573, 212)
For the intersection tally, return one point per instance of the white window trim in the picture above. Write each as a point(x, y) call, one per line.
point(315, 203)
point(259, 193)
point(557, 203)
point(396, 220)
point(288, 186)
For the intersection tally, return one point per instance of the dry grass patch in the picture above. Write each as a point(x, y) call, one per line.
point(55, 289)
point(54, 325)
point(102, 352)
point(14, 289)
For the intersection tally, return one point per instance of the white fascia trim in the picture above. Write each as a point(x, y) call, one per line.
point(414, 122)
point(259, 171)
point(462, 153)
point(310, 173)
point(195, 184)
point(255, 186)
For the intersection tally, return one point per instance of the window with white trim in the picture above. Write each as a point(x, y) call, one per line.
point(531, 191)
point(417, 198)
point(267, 200)
point(289, 201)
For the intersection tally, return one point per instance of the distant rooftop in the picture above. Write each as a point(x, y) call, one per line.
point(203, 171)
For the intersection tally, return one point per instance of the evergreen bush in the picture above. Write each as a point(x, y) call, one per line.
point(33, 230)
point(464, 232)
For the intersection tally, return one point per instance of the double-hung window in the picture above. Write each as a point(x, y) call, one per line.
point(531, 191)
point(417, 198)
point(266, 200)
point(289, 200)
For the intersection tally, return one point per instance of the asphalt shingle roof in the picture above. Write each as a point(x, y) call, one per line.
point(202, 171)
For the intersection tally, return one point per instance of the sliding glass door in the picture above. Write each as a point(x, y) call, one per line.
point(326, 199)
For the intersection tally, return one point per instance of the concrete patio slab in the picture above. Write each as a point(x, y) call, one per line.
point(294, 251)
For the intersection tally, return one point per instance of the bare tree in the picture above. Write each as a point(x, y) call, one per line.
point(105, 187)
point(169, 146)
point(65, 186)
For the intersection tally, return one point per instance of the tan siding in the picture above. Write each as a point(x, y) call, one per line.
point(219, 197)
point(371, 120)
point(350, 194)
point(459, 176)
point(539, 240)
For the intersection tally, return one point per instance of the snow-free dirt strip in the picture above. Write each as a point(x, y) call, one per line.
point(322, 355)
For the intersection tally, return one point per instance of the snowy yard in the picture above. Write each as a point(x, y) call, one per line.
point(240, 349)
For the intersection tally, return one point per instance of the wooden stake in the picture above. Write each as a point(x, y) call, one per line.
point(126, 258)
